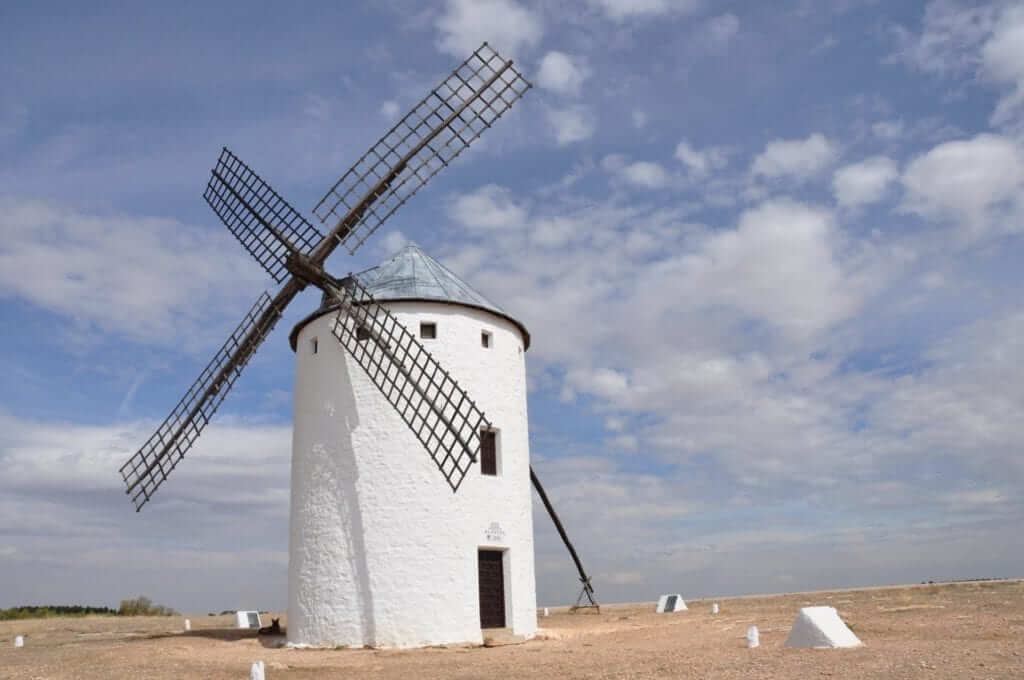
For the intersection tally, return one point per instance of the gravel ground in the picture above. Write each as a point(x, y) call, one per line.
point(964, 630)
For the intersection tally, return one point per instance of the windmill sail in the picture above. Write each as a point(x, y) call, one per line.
point(439, 412)
point(144, 472)
point(427, 139)
point(293, 251)
point(262, 221)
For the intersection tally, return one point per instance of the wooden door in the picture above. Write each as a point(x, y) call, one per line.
point(492, 589)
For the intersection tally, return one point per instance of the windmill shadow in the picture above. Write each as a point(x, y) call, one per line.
point(222, 634)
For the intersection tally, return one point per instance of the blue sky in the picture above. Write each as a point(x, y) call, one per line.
point(768, 255)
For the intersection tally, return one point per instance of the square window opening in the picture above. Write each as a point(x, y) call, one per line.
point(428, 330)
point(490, 464)
point(485, 339)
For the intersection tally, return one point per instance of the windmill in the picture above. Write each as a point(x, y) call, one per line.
point(445, 420)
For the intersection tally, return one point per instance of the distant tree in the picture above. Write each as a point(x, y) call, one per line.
point(143, 606)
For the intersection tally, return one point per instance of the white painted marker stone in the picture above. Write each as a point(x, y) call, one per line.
point(714, 608)
point(821, 628)
point(546, 611)
point(188, 625)
point(19, 641)
point(753, 638)
point(256, 672)
point(670, 603)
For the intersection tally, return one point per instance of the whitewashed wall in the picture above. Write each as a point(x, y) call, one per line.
point(382, 552)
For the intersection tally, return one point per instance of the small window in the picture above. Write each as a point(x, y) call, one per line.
point(485, 339)
point(428, 330)
point(313, 345)
point(362, 333)
point(489, 452)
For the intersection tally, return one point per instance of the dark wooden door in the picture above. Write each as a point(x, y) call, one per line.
point(492, 589)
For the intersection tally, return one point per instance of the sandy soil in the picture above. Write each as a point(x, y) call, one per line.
point(969, 630)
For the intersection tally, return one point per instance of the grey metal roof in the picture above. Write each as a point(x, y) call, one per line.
point(411, 274)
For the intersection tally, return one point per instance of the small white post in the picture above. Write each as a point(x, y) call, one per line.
point(256, 672)
point(546, 611)
point(714, 608)
point(19, 641)
point(753, 639)
point(188, 625)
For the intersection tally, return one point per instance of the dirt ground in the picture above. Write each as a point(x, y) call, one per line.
point(964, 630)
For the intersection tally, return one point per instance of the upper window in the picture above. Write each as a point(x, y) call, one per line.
point(428, 330)
point(489, 452)
point(313, 345)
point(485, 339)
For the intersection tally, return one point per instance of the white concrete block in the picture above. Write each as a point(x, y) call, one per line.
point(670, 603)
point(248, 619)
point(546, 611)
point(821, 628)
point(257, 671)
point(19, 641)
point(714, 608)
point(753, 637)
point(188, 625)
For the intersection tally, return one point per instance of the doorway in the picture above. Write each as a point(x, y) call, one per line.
point(491, 573)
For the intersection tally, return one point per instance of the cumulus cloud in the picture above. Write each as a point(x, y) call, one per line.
point(389, 109)
point(721, 29)
point(863, 182)
point(488, 208)
point(645, 174)
point(619, 10)
point(571, 124)
point(63, 509)
point(1003, 62)
point(959, 38)
point(799, 159)
point(699, 162)
point(505, 24)
point(139, 277)
point(888, 129)
point(975, 183)
point(562, 73)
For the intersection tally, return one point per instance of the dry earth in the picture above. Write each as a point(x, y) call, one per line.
point(965, 630)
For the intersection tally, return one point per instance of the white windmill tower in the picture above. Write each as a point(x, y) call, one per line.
point(380, 555)
point(378, 546)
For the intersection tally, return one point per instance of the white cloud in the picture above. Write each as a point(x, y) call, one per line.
point(572, 124)
point(505, 24)
point(619, 10)
point(863, 182)
point(562, 73)
point(1003, 61)
point(976, 183)
point(700, 162)
point(140, 277)
point(639, 119)
point(721, 29)
point(645, 174)
point(488, 208)
point(389, 110)
point(984, 39)
point(888, 129)
point(797, 158)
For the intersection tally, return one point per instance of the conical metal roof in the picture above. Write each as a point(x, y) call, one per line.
point(411, 274)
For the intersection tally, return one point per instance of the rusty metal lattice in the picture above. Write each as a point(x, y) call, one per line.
point(260, 219)
point(439, 412)
point(144, 472)
point(429, 137)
